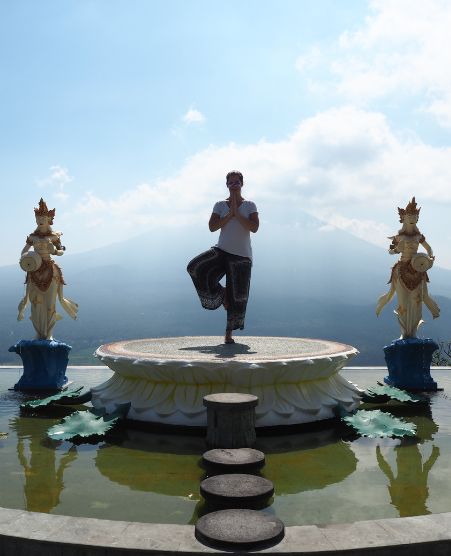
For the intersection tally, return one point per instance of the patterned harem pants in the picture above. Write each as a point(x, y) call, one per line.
point(208, 268)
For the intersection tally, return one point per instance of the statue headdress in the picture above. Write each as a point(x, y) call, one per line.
point(411, 208)
point(43, 210)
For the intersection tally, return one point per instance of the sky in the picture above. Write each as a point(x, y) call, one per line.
point(126, 115)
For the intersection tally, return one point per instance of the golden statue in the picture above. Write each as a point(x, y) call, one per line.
point(44, 282)
point(409, 275)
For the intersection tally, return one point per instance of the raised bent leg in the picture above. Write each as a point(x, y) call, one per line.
point(206, 270)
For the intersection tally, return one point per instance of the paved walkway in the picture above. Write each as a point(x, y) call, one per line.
point(33, 534)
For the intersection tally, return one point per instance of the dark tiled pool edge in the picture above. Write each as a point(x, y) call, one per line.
point(25, 533)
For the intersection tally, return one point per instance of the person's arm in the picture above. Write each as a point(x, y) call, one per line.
point(393, 249)
point(216, 222)
point(58, 249)
point(27, 246)
point(252, 223)
point(25, 249)
point(428, 248)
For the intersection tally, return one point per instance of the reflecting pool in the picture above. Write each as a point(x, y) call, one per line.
point(320, 476)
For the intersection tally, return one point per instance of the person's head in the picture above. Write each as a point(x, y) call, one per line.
point(44, 216)
point(410, 219)
point(234, 180)
point(410, 214)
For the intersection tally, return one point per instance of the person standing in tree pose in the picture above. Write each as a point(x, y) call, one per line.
point(45, 284)
point(231, 257)
point(409, 277)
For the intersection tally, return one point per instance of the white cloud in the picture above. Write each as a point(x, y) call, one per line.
point(369, 230)
point(309, 60)
point(345, 166)
point(193, 116)
point(61, 196)
point(403, 48)
point(59, 176)
point(57, 180)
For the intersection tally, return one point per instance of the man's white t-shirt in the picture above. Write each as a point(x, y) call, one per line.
point(234, 238)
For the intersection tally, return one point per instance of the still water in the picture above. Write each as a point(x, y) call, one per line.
point(321, 476)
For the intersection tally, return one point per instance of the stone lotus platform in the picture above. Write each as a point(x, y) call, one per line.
point(296, 379)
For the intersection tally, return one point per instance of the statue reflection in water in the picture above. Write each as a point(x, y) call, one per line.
point(408, 489)
point(43, 475)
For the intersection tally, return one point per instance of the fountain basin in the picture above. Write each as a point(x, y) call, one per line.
point(321, 477)
point(297, 380)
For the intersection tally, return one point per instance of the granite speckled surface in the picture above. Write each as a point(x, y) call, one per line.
point(212, 348)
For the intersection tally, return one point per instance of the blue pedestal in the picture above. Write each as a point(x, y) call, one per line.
point(409, 364)
point(44, 364)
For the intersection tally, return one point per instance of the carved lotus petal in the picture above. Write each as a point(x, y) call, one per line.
point(189, 399)
point(105, 385)
point(309, 398)
point(143, 393)
point(266, 399)
point(242, 378)
point(166, 407)
point(115, 388)
point(282, 407)
point(343, 390)
point(160, 393)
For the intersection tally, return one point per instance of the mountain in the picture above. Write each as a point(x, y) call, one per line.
point(306, 282)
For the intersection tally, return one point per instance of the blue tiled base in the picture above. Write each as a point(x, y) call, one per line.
point(409, 364)
point(44, 364)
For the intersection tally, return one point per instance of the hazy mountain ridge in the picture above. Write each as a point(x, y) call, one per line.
point(306, 282)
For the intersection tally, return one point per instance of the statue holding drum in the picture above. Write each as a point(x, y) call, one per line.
point(409, 358)
point(44, 281)
point(409, 275)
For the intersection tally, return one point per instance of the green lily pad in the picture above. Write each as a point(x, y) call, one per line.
point(48, 401)
point(84, 425)
point(379, 424)
point(383, 391)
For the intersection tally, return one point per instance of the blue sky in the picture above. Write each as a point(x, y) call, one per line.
point(132, 112)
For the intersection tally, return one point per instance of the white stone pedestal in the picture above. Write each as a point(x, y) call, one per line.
point(296, 379)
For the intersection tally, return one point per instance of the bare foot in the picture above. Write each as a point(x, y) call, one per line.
point(228, 337)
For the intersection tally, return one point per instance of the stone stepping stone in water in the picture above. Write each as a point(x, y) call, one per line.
point(230, 420)
point(237, 490)
point(239, 529)
point(234, 460)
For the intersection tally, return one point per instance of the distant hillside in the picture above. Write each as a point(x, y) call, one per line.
point(306, 282)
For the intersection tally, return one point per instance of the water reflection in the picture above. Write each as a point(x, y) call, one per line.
point(408, 487)
point(151, 462)
point(295, 463)
point(319, 477)
point(307, 460)
point(43, 473)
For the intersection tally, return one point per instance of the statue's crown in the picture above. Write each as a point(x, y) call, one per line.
point(43, 210)
point(411, 208)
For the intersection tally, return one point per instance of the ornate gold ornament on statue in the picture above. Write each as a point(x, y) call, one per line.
point(409, 275)
point(44, 281)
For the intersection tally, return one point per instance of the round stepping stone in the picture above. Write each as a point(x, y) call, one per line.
point(230, 420)
point(239, 529)
point(234, 460)
point(238, 490)
point(230, 400)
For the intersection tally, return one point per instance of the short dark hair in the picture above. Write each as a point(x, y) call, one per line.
point(233, 174)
